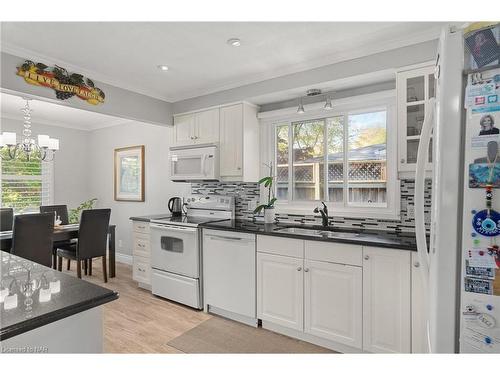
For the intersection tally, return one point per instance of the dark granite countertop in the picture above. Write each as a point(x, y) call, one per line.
point(148, 218)
point(367, 237)
point(55, 296)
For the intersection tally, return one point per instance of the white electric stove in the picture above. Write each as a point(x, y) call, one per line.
point(175, 248)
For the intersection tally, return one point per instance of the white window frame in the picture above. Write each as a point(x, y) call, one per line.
point(47, 179)
point(385, 100)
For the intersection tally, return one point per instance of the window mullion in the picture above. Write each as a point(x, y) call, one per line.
point(346, 163)
point(326, 193)
point(290, 163)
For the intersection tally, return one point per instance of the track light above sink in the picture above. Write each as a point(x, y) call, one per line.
point(300, 108)
point(328, 103)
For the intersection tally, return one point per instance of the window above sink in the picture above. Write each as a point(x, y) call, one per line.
point(346, 157)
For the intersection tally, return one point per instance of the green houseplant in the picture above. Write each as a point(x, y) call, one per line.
point(74, 213)
point(268, 207)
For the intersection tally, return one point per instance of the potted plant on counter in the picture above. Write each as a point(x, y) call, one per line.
point(271, 199)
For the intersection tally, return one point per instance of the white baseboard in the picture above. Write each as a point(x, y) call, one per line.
point(123, 258)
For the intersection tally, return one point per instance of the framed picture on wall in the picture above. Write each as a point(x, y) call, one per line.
point(129, 174)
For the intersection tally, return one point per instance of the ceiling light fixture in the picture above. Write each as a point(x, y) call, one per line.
point(45, 149)
point(163, 68)
point(234, 42)
point(300, 108)
point(328, 103)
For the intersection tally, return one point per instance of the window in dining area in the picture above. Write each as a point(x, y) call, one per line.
point(26, 185)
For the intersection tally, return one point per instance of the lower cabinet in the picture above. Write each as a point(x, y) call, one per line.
point(386, 300)
point(333, 302)
point(318, 298)
point(280, 290)
point(141, 253)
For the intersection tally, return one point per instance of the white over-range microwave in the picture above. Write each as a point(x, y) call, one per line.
point(194, 163)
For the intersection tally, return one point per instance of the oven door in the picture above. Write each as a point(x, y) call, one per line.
point(175, 249)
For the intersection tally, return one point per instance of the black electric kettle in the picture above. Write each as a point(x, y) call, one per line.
point(175, 206)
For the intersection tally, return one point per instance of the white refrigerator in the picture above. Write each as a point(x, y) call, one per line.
point(456, 258)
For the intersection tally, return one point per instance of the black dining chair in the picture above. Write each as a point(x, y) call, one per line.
point(60, 210)
point(6, 221)
point(32, 237)
point(92, 241)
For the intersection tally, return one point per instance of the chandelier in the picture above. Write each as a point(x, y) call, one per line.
point(28, 149)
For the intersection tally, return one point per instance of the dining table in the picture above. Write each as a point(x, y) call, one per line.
point(68, 232)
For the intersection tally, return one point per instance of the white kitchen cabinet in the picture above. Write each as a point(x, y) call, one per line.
point(229, 272)
point(239, 143)
point(197, 128)
point(415, 86)
point(207, 126)
point(141, 254)
point(333, 303)
point(184, 129)
point(418, 308)
point(386, 300)
point(280, 290)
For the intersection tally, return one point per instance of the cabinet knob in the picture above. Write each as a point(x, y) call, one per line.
point(402, 160)
point(416, 264)
point(306, 269)
point(239, 168)
point(299, 268)
point(367, 257)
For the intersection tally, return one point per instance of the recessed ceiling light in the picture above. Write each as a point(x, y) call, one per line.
point(234, 42)
point(163, 67)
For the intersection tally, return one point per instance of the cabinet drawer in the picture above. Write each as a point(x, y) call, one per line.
point(280, 246)
point(141, 270)
point(142, 246)
point(334, 252)
point(141, 227)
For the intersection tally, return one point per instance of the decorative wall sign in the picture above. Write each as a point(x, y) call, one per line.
point(129, 174)
point(63, 83)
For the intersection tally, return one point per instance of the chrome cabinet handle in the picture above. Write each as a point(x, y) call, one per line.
point(299, 268)
point(416, 264)
point(367, 257)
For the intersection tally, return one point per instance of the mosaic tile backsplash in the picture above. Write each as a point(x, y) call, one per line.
point(248, 192)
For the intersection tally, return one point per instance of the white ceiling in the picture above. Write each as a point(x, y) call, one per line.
point(56, 115)
point(126, 54)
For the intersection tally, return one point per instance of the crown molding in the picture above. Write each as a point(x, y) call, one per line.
point(9, 116)
point(33, 55)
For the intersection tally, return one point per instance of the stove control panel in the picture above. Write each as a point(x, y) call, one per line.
point(209, 202)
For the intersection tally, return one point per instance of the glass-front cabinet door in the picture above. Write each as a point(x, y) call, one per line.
point(414, 89)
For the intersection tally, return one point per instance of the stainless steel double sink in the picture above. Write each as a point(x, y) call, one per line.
point(318, 232)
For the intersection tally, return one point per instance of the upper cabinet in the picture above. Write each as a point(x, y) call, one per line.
point(239, 143)
point(234, 128)
point(197, 128)
point(414, 89)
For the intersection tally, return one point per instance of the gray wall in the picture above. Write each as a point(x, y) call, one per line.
point(159, 188)
point(119, 102)
point(392, 59)
point(71, 173)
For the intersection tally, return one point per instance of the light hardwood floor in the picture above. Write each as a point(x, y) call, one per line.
point(139, 322)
